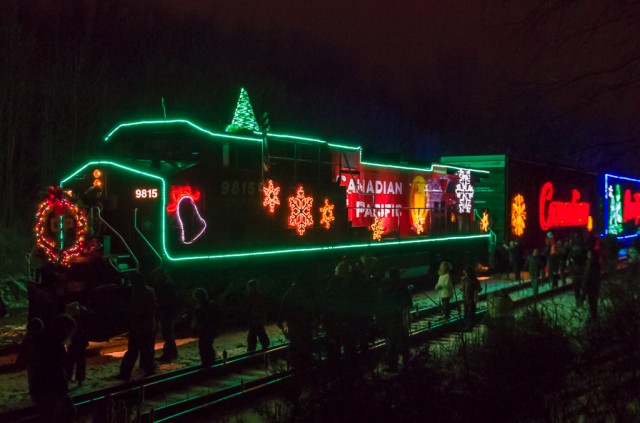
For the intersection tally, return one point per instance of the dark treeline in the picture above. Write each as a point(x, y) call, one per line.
point(72, 70)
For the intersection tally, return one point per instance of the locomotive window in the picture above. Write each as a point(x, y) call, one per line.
point(281, 149)
point(248, 156)
point(308, 152)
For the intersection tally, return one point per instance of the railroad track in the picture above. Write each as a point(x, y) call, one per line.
point(178, 395)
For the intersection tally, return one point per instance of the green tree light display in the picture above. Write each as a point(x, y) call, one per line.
point(244, 117)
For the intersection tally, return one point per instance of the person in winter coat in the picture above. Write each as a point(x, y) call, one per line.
point(48, 385)
point(470, 289)
point(336, 313)
point(255, 307)
point(142, 328)
point(297, 319)
point(534, 267)
point(77, 349)
point(592, 279)
point(206, 322)
point(28, 344)
point(445, 287)
point(515, 258)
point(166, 295)
point(395, 304)
point(578, 265)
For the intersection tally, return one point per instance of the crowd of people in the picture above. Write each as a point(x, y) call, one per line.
point(337, 319)
point(585, 259)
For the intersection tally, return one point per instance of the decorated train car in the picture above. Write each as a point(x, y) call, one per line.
point(245, 201)
point(529, 202)
point(621, 196)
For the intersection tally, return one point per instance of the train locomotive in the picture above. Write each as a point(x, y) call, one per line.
point(244, 200)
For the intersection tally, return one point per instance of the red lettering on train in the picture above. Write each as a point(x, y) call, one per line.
point(562, 213)
point(631, 207)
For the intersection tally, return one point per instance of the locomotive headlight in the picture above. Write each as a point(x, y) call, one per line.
point(97, 175)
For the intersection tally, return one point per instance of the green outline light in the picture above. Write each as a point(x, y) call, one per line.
point(293, 137)
point(265, 252)
point(132, 170)
point(324, 249)
point(193, 125)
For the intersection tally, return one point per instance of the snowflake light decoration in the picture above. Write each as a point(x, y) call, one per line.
point(326, 212)
point(377, 228)
point(484, 222)
point(271, 196)
point(464, 191)
point(180, 194)
point(300, 217)
point(518, 215)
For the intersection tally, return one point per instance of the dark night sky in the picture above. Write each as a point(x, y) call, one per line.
point(508, 74)
point(547, 79)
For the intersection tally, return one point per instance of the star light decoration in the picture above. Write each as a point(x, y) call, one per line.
point(518, 215)
point(326, 212)
point(179, 194)
point(271, 196)
point(484, 222)
point(377, 228)
point(300, 217)
point(464, 191)
point(57, 214)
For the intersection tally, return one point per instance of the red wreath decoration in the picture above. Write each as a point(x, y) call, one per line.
point(57, 204)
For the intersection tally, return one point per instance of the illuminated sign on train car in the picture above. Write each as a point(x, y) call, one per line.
point(406, 204)
point(557, 213)
point(621, 206)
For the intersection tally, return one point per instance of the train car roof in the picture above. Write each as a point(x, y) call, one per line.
point(183, 127)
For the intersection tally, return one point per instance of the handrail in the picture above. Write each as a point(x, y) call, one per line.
point(120, 237)
point(144, 238)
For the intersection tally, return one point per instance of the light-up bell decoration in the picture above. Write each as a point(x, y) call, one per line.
point(180, 195)
point(300, 217)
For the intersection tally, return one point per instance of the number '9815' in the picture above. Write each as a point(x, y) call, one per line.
point(146, 193)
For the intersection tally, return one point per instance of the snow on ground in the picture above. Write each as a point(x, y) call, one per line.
point(102, 369)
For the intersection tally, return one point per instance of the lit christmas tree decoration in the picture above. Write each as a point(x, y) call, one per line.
point(464, 191)
point(377, 229)
point(518, 215)
point(300, 217)
point(55, 217)
point(244, 118)
point(271, 196)
point(615, 210)
point(180, 194)
point(326, 212)
point(484, 222)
